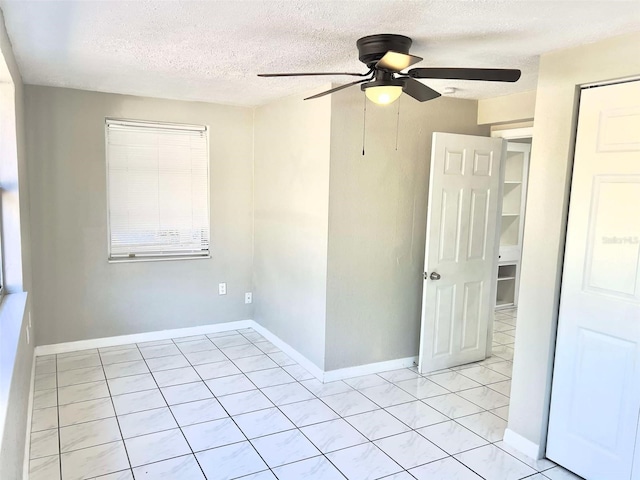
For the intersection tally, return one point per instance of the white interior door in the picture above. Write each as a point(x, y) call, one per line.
point(461, 254)
point(595, 401)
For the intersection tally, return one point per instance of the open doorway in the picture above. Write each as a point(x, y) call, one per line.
point(512, 218)
point(502, 334)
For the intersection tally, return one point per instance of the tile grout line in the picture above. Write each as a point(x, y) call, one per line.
point(277, 407)
point(411, 428)
point(115, 415)
point(170, 411)
point(321, 454)
point(296, 427)
point(299, 429)
point(379, 408)
point(225, 410)
point(344, 419)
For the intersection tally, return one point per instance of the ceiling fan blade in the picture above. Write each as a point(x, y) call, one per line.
point(486, 74)
point(312, 74)
point(418, 90)
point(333, 90)
point(395, 61)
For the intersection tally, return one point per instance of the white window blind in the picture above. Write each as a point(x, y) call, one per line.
point(158, 189)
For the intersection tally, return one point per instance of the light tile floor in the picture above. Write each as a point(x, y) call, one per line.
point(231, 405)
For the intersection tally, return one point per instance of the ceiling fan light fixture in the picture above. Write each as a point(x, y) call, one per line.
point(383, 95)
point(383, 91)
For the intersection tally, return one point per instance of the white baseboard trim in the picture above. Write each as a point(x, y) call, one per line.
point(141, 337)
point(517, 441)
point(27, 440)
point(304, 362)
point(368, 369)
point(311, 367)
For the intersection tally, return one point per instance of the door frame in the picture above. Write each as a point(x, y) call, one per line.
point(576, 118)
point(562, 144)
point(513, 134)
point(561, 431)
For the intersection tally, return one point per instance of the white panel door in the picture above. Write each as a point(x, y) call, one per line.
point(461, 249)
point(595, 399)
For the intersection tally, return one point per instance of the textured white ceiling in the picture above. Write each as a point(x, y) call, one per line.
point(212, 50)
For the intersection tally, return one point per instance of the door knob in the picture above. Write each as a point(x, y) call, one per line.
point(434, 276)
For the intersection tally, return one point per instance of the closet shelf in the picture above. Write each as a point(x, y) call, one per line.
point(514, 186)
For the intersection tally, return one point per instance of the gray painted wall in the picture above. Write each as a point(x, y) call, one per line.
point(78, 294)
point(291, 177)
point(377, 223)
point(319, 206)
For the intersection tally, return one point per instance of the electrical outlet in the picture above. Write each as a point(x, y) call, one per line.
point(248, 297)
point(28, 335)
point(222, 289)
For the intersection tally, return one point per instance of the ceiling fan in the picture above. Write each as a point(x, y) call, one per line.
point(386, 55)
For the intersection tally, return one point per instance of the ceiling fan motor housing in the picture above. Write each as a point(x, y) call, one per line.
point(382, 79)
point(373, 47)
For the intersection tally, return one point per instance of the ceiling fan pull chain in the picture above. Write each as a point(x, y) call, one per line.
point(397, 124)
point(364, 123)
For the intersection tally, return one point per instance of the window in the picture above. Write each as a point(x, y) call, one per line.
point(158, 190)
point(2, 289)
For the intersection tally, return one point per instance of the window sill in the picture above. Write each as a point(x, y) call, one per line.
point(12, 318)
point(158, 259)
